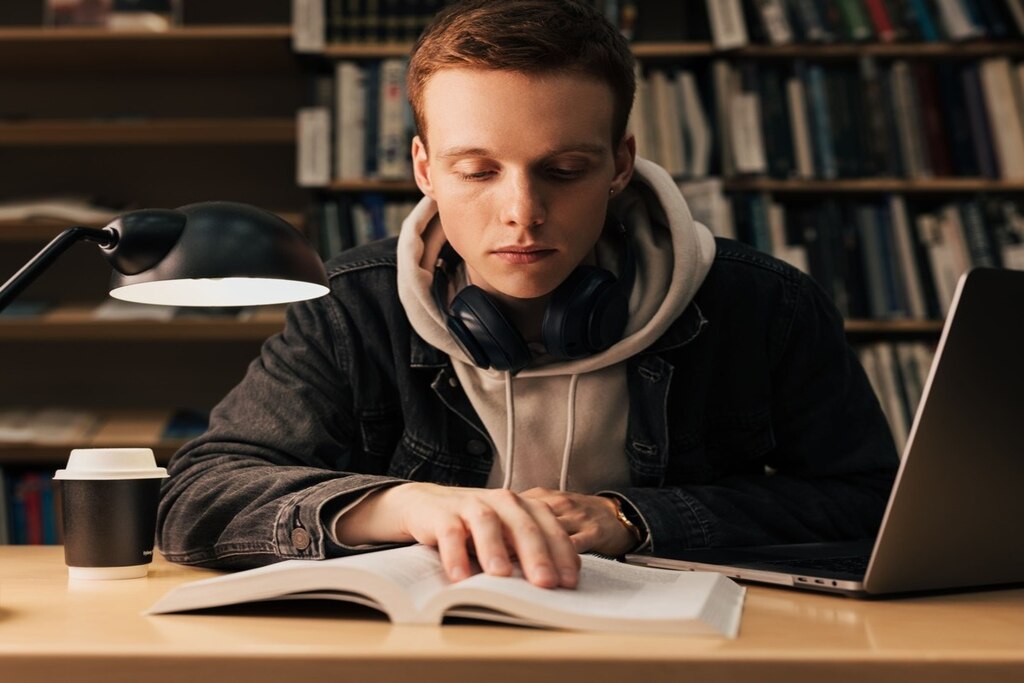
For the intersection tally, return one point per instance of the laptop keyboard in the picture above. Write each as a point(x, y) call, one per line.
point(854, 564)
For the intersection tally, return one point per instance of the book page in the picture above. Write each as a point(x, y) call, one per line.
point(394, 581)
point(611, 596)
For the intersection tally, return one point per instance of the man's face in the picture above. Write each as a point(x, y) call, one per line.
point(520, 167)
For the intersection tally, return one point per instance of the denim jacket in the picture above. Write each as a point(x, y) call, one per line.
point(750, 422)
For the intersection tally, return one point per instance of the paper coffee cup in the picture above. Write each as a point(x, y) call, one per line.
point(110, 498)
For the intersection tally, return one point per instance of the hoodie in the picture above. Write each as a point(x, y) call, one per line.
point(562, 424)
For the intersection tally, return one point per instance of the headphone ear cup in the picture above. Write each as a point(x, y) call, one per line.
point(575, 312)
point(484, 333)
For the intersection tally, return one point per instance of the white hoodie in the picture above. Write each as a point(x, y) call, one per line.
point(562, 424)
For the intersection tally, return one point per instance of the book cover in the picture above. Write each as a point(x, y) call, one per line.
point(803, 152)
point(393, 141)
point(409, 586)
point(821, 125)
point(698, 131)
point(308, 25)
point(977, 113)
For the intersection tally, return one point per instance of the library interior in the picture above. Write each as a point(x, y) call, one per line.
point(876, 145)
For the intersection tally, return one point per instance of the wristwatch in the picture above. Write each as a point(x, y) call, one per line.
point(629, 518)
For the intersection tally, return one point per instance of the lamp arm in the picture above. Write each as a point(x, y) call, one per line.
point(105, 237)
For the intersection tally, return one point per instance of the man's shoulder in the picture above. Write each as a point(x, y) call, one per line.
point(737, 260)
point(373, 255)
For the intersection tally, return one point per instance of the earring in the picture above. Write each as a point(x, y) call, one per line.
point(611, 191)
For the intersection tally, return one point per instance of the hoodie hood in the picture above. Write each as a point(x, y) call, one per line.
point(673, 254)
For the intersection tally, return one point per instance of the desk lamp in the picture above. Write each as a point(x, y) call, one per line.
point(203, 254)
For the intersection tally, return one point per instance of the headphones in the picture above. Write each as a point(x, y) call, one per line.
point(586, 314)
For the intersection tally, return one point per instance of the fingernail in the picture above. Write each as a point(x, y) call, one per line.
point(457, 573)
point(496, 565)
point(568, 577)
point(546, 575)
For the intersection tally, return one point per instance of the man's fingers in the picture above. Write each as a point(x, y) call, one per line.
point(560, 546)
point(485, 526)
point(451, 546)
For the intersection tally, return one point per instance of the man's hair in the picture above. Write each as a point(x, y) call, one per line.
point(533, 37)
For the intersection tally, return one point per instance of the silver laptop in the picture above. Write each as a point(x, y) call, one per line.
point(955, 513)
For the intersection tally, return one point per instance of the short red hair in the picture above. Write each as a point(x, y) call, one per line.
point(533, 37)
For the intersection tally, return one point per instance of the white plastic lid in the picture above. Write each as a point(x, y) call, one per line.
point(111, 463)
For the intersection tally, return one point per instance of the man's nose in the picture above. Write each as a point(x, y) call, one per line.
point(523, 204)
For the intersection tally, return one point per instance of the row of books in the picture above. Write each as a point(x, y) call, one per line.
point(886, 258)
point(30, 507)
point(728, 23)
point(735, 23)
point(61, 426)
point(317, 22)
point(897, 372)
point(836, 120)
point(360, 126)
point(345, 220)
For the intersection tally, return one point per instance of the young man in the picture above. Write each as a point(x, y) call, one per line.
point(583, 368)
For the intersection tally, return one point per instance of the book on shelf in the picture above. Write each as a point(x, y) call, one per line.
point(408, 585)
point(30, 507)
point(313, 134)
point(897, 372)
point(309, 25)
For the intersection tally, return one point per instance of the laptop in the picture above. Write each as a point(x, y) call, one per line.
point(955, 512)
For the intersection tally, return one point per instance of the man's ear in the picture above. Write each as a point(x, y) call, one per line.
point(625, 156)
point(421, 167)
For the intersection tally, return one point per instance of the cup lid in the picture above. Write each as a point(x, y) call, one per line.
point(111, 463)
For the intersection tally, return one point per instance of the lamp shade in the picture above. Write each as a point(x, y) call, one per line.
point(212, 254)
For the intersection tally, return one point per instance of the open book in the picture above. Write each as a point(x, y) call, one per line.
point(409, 585)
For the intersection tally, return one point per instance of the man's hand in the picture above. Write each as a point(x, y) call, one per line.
point(498, 524)
point(590, 521)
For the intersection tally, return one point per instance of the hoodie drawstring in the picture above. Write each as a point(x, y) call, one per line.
point(510, 423)
point(570, 430)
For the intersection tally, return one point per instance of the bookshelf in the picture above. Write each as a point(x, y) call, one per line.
point(902, 208)
point(136, 120)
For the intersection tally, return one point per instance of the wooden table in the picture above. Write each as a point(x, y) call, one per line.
point(52, 629)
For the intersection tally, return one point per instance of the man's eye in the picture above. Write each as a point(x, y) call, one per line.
point(565, 173)
point(479, 175)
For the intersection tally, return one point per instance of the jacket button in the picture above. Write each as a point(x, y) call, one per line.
point(300, 539)
point(453, 382)
point(476, 447)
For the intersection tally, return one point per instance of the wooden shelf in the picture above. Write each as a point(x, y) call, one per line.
point(256, 49)
point(207, 131)
point(874, 185)
point(80, 324)
point(55, 455)
point(833, 51)
point(397, 186)
point(668, 50)
point(41, 230)
point(893, 327)
point(852, 186)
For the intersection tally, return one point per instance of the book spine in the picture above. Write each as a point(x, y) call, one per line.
point(978, 245)
point(350, 141)
point(956, 20)
point(984, 143)
point(822, 126)
point(1004, 120)
point(371, 130)
point(308, 26)
point(775, 21)
point(1016, 8)
point(728, 29)
point(856, 21)
point(810, 21)
point(699, 132)
point(925, 21)
point(313, 130)
point(880, 20)
point(906, 258)
point(802, 150)
point(933, 129)
point(393, 145)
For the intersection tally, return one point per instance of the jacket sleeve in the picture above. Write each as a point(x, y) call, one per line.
point(256, 487)
point(829, 473)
